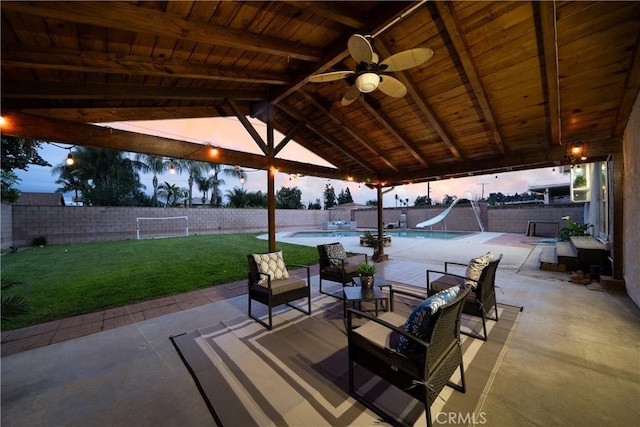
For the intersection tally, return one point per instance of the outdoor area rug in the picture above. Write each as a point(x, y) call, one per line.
point(297, 374)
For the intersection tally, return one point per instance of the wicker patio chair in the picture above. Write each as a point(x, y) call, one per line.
point(480, 301)
point(336, 268)
point(274, 288)
point(421, 372)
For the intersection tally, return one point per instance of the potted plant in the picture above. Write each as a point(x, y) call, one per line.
point(372, 241)
point(366, 272)
point(574, 229)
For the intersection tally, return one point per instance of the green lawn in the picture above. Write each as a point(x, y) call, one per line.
point(67, 280)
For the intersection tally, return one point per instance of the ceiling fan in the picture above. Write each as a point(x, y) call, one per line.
point(370, 74)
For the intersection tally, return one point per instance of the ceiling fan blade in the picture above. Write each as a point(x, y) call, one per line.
point(407, 59)
point(392, 87)
point(351, 95)
point(331, 76)
point(360, 48)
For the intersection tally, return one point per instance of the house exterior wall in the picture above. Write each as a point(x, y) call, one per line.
point(631, 209)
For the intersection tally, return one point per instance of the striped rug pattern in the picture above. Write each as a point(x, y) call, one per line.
point(296, 374)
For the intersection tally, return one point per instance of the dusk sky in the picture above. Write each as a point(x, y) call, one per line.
point(229, 133)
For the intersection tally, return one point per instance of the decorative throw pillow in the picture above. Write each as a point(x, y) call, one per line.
point(271, 264)
point(475, 267)
point(419, 321)
point(336, 253)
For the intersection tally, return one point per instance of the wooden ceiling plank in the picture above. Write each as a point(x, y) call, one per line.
point(128, 17)
point(394, 131)
point(340, 12)
point(337, 53)
point(100, 62)
point(424, 106)
point(454, 30)
point(354, 133)
point(631, 90)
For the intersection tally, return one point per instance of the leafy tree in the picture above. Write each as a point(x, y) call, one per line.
point(256, 199)
point(289, 198)
point(329, 197)
point(315, 205)
point(447, 199)
point(155, 165)
point(17, 153)
point(422, 201)
point(371, 202)
point(7, 182)
point(237, 197)
point(345, 197)
point(107, 177)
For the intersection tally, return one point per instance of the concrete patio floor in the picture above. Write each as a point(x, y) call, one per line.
point(574, 359)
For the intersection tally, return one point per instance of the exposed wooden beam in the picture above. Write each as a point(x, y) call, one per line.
point(454, 30)
point(68, 132)
point(347, 128)
point(524, 160)
point(288, 137)
point(248, 126)
point(328, 138)
point(394, 131)
point(111, 63)
point(60, 90)
point(128, 17)
point(123, 114)
point(423, 105)
point(550, 55)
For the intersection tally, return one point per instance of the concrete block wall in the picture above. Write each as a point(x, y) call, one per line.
point(69, 224)
point(514, 218)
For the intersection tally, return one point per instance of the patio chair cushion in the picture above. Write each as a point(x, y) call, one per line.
point(419, 321)
point(271, 264)
point(336, 253)
point(475, 267)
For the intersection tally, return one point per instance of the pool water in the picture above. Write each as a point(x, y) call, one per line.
point(417, 234)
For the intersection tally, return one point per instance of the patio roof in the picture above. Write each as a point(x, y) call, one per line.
point(511, 85)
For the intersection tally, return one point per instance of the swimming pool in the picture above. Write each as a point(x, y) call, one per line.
point(417, 234)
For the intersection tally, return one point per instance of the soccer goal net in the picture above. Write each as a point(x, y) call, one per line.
point(156, 228)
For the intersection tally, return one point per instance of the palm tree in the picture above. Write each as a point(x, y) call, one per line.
point(204, 184)
point(237, 197)
point(170, 192)
point(154, 164)
point(70, 179)
point(105, 177)
point(217, 182)
point(195, 169)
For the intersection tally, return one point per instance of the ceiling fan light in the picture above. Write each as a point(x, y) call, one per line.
point(367, 82)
